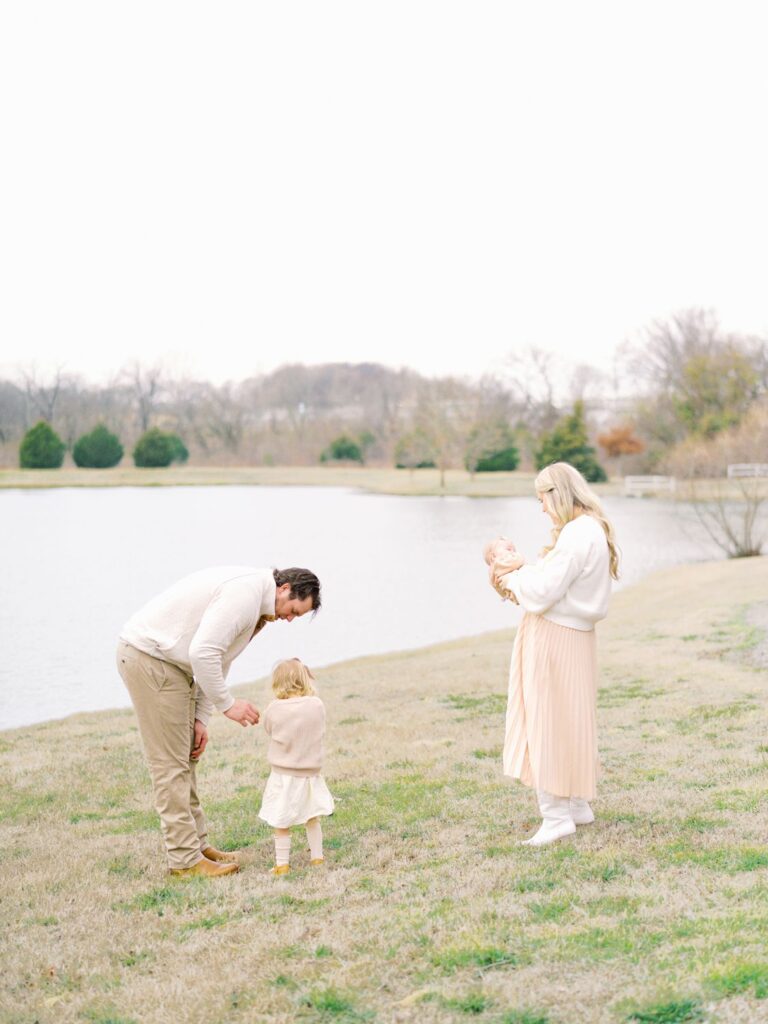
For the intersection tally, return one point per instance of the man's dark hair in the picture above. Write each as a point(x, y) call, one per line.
point(303, 584)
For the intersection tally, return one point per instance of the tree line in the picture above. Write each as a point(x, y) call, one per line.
point(674, 398)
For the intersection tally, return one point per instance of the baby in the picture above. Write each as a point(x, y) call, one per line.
point(498, 554)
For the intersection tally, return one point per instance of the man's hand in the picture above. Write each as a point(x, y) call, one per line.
point(200, 741)
point(244, 712)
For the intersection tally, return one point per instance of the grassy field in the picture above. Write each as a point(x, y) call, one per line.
point(428, 911)
point(377, 480)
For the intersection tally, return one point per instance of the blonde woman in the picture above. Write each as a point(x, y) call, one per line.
point(296, 793)
point(551, 728)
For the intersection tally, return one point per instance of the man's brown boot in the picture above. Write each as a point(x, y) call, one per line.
point(205, 867)
point(219, 856)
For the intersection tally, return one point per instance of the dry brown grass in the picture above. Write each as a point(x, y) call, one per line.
point(374, 479)
point(428, 910)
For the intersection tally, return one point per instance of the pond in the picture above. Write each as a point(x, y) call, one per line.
point(397, 572)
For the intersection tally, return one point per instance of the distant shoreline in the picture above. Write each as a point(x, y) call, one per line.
point(422, 482)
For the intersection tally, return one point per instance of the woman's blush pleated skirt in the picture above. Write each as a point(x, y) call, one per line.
point(551, 730)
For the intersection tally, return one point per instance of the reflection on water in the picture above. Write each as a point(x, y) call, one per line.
point(396, 573)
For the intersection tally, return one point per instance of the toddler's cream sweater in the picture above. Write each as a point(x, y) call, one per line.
point(296, 729)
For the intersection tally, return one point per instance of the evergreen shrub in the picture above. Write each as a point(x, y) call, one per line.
point(41, 448)
point(99, 449)
point(342, 449)
point(156, 448)
point(568, 442)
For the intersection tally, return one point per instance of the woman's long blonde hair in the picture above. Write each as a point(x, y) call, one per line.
point(292, 678)
point(570, 494)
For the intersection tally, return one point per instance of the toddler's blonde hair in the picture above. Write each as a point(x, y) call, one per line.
point(292, 678)
point(569, 493)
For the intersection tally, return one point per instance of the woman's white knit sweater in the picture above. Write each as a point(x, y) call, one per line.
point(571, 585)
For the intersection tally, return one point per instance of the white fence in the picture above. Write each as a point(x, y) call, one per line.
point(637, 486)
point(739, 469)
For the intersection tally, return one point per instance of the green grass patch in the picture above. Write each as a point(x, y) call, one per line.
point(207, 923)
point(535, 883)
point(472, 1003)
point(524, 1017)
point(700, 823)
point(134, 821)
point(621, 694)
point(729, 859)
point(237, 826)
point(738, 977)
point(612, 906)
point(745, 801)
point(492, 704)
point(107, 1017)
point(123, 866)
point(332, 1005)
point(604, 869)
point(132, 958)
point(453, 959)
point(286, 982)
point(183, 895)
point(301, 905)
point(678, 1012)
point(551, 911)
point(598, 944)
point(492, 754)
point(21, 806)
point(390, 806)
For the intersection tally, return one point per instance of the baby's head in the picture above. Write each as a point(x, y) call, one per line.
point(292, 678)
point(496, 548)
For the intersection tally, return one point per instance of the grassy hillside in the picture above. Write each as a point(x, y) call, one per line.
point(428, 911)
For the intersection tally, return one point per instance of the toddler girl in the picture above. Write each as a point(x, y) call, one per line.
point(296, 793)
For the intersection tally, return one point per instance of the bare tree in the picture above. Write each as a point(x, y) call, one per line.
point(147, 384)
point(730, 510)
point(42, 392)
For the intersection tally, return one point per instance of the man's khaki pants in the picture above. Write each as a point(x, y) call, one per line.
point(164, 699)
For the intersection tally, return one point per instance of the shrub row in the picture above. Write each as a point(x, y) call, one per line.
point(42, 448)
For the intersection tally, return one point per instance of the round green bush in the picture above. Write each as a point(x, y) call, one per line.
point(154, 449)
point(157, 448)
point(99, 449)
point(180, 451)
point(342, 449)
point(41, 448)
point(503, 461)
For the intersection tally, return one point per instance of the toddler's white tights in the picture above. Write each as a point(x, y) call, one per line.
point(282, 847)
point(315, 838)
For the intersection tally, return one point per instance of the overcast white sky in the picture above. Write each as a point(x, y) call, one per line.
point(232, 186)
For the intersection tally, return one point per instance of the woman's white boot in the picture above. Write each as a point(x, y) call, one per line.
point(557, 821)
point(581, 812)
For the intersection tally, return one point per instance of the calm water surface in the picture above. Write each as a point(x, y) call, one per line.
point(396, 573)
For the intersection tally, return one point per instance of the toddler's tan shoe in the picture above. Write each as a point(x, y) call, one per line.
point(219, 856)
point(317, 862)
point(280, 869)
point(205, 867)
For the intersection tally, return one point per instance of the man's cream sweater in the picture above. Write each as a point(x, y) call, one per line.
point(202, 623)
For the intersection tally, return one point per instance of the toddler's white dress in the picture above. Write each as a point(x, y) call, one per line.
point(294, 799)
